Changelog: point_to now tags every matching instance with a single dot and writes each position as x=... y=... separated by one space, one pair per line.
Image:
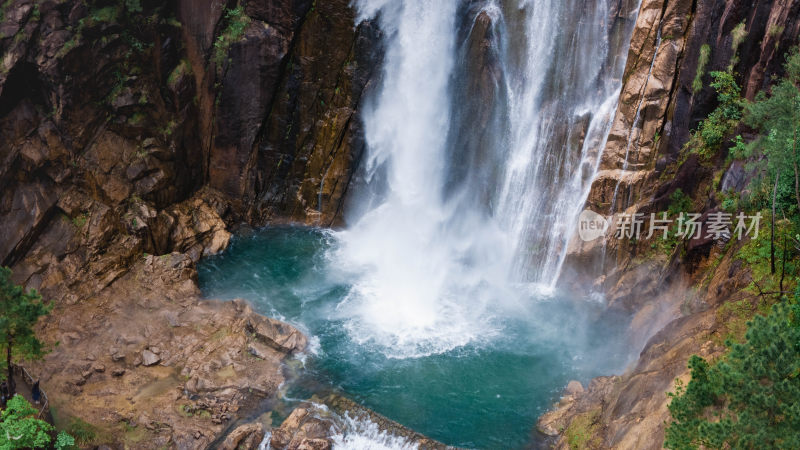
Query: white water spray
x=441 y=256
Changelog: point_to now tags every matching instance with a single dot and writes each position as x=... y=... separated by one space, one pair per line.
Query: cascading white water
x=570 y=77
x=441 y=242
x=400 y=246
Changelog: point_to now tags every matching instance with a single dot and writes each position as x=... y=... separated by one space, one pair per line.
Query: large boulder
x=244 y=437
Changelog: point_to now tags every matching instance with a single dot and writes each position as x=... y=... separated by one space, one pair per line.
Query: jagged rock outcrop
x=306 y=427
x=149 y=364
x=247 y=436
x=643 y=164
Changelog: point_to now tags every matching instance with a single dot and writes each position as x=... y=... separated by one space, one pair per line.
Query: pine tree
x=777 y=117
x=19 y=312
x=750 y=398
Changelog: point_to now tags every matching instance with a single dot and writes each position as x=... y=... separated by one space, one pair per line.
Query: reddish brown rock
x=244 y=437
x=193 y=357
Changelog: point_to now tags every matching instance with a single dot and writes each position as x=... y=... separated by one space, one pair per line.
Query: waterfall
x=563 y=96
x=474 y=176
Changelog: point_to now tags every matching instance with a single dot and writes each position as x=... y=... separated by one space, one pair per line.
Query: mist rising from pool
x=483 y=391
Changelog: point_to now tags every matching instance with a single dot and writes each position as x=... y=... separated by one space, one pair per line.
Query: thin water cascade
x=447 y=226
x=636 y=117
x=562 y=93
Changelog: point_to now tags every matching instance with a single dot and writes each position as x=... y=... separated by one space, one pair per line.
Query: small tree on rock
x=19 y=312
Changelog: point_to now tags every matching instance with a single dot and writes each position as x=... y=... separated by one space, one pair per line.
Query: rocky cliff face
x=643 y=162
x=134 y=108
x=283 y=134
x=674 y=297
x=659 y=106
x=138 y=128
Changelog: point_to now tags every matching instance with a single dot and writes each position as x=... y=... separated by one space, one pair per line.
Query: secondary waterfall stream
x=438 y=305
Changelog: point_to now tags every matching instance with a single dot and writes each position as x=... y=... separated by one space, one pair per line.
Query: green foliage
x=738 y=35
x=107 y=14
x=134 y=43
x=133 y=6
x=776 y=153
x=80 y=220
x=708 y=138
x=168 y=128
x=727 y=115
x=748 y=399
x=19 y=427
x=679 y=202
x=83 y=431
x=138 y=119
x=64 y=441
x=702 y=62
x=183 y=68
x=19 y=312
x=69 y=45
x=729 y=205
x=775 y=30
x=756 y=252
x=4 y=7
x=237 y=23
x=582 y=432
x=733 y=317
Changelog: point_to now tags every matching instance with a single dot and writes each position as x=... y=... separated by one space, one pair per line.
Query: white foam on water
x=405 y=299
x=363 y=434
x=431 y=268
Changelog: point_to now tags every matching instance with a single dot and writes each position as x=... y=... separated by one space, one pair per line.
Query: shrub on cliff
x=748 y=399
x=721 y=122
x=710 y=135
x=237 y=23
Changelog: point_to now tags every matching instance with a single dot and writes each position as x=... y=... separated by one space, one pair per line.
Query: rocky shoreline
x=148 y=363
